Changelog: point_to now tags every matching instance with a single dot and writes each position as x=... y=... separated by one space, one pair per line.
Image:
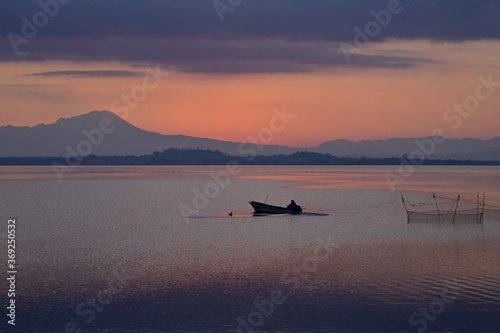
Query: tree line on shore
x=175 y=156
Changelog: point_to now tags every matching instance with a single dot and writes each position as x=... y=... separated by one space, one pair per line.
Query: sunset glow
x=338 y=101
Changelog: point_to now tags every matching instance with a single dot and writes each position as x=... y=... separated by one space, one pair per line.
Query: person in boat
x=292 y=205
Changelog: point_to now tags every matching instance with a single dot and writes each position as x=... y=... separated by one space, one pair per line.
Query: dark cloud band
x=304 y=20
x=83 y=74
x=256 y=36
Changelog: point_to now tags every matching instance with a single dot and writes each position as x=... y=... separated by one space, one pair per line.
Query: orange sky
x=341 y=103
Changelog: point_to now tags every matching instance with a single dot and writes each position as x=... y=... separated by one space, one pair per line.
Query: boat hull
x=270 y=209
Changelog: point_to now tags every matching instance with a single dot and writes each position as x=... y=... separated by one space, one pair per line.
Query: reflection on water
x=113 y=254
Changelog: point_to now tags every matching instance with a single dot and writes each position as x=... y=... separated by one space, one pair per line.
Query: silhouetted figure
x=231 y=214
x=292 y=205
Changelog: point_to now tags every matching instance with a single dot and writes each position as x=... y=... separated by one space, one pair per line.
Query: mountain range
x=104 y=133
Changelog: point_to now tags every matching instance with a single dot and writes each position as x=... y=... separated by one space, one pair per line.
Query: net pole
x=482 y=210
x=404 y=203
x=437 y=206
x=477 y=208
x=456 y=207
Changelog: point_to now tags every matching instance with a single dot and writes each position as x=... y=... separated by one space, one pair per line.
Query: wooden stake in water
x=477 y=207
x=456 y=207
x=437 y=206
x=482 y=211
x=407 y=214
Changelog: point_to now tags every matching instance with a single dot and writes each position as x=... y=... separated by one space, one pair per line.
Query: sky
x=224 y=69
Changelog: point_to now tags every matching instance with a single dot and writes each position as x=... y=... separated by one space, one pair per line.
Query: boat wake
x=315 y=214
x=256 y=215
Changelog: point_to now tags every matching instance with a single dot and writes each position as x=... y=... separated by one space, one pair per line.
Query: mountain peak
x=91 y=115
x=85 y=135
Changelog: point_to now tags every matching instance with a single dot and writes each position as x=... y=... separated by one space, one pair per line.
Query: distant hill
x=474 y=149
x=66 y=134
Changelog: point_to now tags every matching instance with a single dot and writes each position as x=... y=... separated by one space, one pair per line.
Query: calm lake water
x=152 y=249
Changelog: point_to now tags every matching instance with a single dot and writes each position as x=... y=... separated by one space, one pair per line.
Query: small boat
x=270 y=209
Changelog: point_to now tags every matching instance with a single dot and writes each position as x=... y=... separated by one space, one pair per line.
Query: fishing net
x=441 y=210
